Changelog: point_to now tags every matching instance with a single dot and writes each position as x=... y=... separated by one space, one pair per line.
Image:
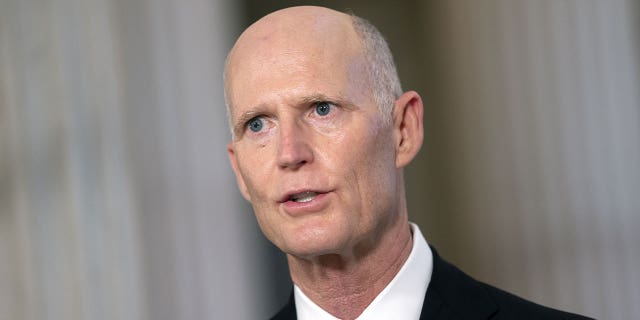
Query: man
x=321 y=134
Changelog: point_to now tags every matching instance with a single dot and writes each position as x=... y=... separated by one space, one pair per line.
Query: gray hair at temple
x=383 y=76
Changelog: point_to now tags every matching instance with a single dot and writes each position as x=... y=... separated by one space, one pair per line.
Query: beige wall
x=536 y=161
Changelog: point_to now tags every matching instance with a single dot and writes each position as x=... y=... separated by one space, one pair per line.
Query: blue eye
x=255 y=124
x=323 y=108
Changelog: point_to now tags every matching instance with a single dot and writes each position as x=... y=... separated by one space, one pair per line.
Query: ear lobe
x=407 y=123
x=239 y=179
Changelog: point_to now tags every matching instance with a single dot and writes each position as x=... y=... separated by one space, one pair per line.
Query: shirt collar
x=402 y=298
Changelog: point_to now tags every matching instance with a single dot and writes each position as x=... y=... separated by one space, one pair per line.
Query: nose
x=294 y=149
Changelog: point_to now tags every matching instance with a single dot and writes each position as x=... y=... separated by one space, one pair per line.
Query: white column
x=116 y=197
x=70 y=246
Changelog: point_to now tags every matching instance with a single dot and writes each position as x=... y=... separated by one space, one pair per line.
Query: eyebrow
x=318 y=97
x=239 y=124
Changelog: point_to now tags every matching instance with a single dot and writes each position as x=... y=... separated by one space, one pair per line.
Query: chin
x=313 y=241
x=311 y=250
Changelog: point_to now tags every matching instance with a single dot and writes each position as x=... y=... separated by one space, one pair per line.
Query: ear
x=407 y=125
x=234 y=164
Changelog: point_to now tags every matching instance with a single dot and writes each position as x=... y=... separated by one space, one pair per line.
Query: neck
x=344 y=285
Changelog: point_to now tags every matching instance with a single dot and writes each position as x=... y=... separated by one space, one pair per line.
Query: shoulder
x=453 y=292
x=513 y=307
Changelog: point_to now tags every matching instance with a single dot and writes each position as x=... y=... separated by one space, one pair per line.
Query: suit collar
x=454 y=295
x=451 y=295
x=288 y=312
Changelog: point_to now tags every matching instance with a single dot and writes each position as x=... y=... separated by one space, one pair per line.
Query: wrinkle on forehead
x=289 y=37
x=305 y=24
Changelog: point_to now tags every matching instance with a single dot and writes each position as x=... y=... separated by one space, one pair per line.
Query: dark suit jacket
x=454 y=295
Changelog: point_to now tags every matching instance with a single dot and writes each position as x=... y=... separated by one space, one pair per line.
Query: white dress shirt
x=402 y=298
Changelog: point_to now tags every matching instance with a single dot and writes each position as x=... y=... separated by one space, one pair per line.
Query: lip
x=292 y=208
x=287 y=196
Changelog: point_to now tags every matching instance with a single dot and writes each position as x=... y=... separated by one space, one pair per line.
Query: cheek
x=376 y=167
x=364 y=156
x=375 y=149
x=254 y=174
x=256 y=187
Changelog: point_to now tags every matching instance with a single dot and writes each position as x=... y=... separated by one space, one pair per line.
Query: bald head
x=296 y=26
x=309 y=32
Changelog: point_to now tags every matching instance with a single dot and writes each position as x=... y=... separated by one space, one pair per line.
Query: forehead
x=307 y=29
x=301 y=54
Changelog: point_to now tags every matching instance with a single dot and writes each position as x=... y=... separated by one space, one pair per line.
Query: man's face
x=311 y=150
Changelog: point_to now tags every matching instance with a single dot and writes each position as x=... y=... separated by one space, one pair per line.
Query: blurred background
x=117 y=200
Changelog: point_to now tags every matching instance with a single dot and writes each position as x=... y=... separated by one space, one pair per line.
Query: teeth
x=304 y=196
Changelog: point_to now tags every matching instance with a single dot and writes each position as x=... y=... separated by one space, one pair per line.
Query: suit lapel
x=288 y=312
x=454 y=295
x=433 y=307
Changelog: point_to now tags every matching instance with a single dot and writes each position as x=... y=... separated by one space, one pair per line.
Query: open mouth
x=303 y=196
